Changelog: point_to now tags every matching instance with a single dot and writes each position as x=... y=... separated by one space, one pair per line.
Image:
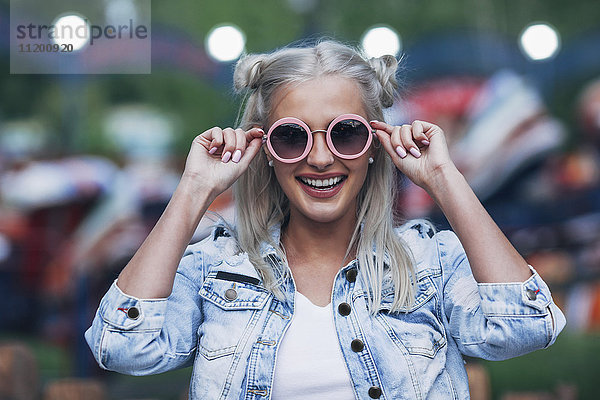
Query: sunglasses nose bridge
x=316 y=138
x=320 y=155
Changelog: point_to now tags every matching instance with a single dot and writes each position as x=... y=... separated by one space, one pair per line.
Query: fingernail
x=425 y=142
x=415 y=152
x=236 y=156
x=212 y=150
x=401 y=152
x=373 y=121
x=226 y=157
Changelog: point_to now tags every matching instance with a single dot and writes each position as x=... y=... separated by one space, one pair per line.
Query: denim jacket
x=221 y=319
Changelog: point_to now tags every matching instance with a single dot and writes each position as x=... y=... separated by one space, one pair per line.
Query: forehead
x=318 y=101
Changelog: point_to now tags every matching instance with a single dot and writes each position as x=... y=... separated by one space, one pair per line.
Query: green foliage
x=267 y=23
x=571 y=360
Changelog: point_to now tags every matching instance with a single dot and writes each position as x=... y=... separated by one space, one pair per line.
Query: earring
x=371 y=160
x=270 y=163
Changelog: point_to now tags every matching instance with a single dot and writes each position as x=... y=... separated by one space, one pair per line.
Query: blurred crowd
x=537 y=176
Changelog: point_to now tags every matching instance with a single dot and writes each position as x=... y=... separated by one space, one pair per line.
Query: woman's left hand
x=418 y=150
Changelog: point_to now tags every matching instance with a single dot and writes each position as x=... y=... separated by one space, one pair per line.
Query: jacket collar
x=267 y=250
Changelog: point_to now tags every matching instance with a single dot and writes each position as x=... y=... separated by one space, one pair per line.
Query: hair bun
x=248 y=71
x=385 y=69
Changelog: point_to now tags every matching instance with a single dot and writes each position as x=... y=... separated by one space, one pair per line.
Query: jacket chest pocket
x=418 y=329
x=231 y=306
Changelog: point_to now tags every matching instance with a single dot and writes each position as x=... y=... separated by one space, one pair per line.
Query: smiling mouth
x=322 y=184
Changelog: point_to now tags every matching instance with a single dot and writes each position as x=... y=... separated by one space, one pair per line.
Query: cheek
x=362 y=180
x=360 y=172
x=284 y=175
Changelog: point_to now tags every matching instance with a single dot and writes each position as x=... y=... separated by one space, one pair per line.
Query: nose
x=320 y=156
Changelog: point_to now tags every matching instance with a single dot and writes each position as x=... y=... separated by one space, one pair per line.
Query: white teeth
x=321 y=182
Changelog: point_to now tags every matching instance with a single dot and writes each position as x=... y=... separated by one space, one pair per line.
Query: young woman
x=315 y=293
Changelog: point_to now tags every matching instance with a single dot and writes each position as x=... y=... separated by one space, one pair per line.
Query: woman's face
x=317 y=102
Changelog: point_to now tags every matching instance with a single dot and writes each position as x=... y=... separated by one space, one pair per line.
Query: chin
x=322 y=213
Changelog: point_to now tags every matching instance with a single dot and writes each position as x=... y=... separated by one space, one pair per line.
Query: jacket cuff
x=531 y=297
x=127 y=312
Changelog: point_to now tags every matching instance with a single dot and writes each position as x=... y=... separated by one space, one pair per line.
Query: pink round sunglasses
x=348 y=136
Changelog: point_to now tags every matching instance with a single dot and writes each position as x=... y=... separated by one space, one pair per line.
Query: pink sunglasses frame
x=327 y=132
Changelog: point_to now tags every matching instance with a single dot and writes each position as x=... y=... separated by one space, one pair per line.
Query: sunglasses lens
x=349 y=136
x=289 y=140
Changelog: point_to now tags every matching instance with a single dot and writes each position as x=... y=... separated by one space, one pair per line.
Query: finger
x=254 y=133
x=204 y=139
x=431 y=129
x=419 y=134
x=251 y=151
x=229 y=142
x=382 y=126
x=406 y=135
x=396 y=142
x=428 y=126
x=240 y=145
x=385 y=139
x=216 y=135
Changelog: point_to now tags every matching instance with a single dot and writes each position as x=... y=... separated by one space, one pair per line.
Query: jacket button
x=351 y=275
x=374 y=392
x=344 y=309
x=230 y=294
x=531 y=294
x=133 y=313
x=357 y=345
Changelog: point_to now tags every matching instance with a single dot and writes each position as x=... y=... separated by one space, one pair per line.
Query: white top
x=309 y=360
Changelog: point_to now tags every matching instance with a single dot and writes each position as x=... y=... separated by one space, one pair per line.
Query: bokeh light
x=381 y=40
x=71 y=29
x=225 y=42
x=539 y=41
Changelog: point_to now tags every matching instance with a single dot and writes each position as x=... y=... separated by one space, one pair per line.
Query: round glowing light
x=539 y=41
x=381 y=40
x=71 y=29
x=225 y=42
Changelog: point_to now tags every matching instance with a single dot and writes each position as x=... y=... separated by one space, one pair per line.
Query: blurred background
x=88 y=162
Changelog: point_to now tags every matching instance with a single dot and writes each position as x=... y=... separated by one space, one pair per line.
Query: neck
x=308 y=240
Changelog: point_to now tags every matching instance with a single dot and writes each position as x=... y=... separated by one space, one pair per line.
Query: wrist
x=443 y=179
x=197 y=188
x=194 y=195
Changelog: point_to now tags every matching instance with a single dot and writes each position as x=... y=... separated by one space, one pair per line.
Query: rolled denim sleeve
x=495 y=321
x=146 y=336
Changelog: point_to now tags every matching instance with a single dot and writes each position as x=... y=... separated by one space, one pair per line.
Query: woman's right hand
x=151 y=272
x=219 y=156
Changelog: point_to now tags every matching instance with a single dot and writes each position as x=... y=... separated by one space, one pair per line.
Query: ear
x=268 y=154
x=372 y=151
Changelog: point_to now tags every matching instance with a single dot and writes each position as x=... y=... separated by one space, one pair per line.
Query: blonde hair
x=261 y=203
